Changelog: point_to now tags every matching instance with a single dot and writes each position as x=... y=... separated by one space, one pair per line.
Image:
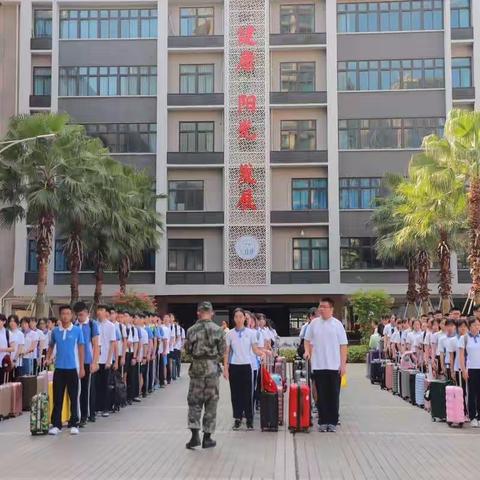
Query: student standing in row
x=91 y=353
x=131 y=358
x=16 y=336
x=7 y=346
x=326 y=346
x=69 y=367
x=31 y=343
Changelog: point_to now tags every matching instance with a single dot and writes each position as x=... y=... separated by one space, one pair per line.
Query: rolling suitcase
x=16 y=408
x=376 y=371
x=389 y=376
x=5 y=400
x=396 y=380
x=280 y=367
x=268 y=406
x=454 y=406
x=299 y=402
x=405 y=381
x=280 y=404
x=39 y=417
x=426 y=402
x=383 y=372
x=277 y=379
x=411 y=380
x=436 y=395
x=42 y=382
x=29 y=389
x=420 y=389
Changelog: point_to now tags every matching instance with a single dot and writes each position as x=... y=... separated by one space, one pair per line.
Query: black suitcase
x=376 y=371
x=269 y=412
x=29 y=390
x=412 y=374
x=383 y=385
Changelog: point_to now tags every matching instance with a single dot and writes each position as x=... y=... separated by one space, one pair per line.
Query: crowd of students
x=144 y=348
x=444 y=346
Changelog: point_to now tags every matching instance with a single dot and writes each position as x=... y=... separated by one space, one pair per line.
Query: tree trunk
x=423 y=263
x=412 y=293
x=99 y=279
x=44 y=236
x=123 y=274
x=474 y=237
x=75 y=251
x=445 y=281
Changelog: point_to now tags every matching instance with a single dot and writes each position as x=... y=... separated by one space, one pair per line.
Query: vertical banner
x=246 y=142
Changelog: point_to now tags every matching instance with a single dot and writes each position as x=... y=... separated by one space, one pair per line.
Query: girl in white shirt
x=18 y=337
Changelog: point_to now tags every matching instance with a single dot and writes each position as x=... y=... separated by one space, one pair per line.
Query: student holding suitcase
x=326 y=346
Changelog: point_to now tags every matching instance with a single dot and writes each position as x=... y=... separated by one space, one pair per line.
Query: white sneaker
x=105 y=414
x=474 y=423
x=74 y=431
x=54 y=431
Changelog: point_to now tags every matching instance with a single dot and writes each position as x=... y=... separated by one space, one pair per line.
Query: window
x=108 y=81
x=309 y=193
x=196 y=137
x=310 y=253
x=42 y=24
x=299 y=135
x=132 y=23
x=32 y=262
x=298 y=318
x=359 y=253
x=125 y=137
x=196 y=78
x=42 y=81
x=185 y=254
x=196 y=21
x=377 y=133
x=60 y=260
x=390 y=16
x=297 y=77
x=460 y=14
x=391 y=74
x=146 y=263
x=461 y=72
x=185 y=195
x=358 y=193
x=297 y=18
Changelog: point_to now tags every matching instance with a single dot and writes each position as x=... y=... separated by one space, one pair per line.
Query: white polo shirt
x=451 y=344
x=388 y=330
x=240 y=343
x=259 y=341
x=326 y=336
x=3 y=342
x=30 y=338
x=132 y=337
x=395 y=337
x=415 y=339
x=107 y=335
x=172 y=338
x=166 y=336
x=143 y=350
x=18 y=337
x=472 y=350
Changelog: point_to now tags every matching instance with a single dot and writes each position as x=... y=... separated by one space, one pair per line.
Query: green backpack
x=39 y=421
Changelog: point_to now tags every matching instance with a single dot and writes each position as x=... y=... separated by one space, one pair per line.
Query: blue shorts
x=165 y=360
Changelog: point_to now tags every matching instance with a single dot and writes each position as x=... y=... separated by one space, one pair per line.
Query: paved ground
x=381 y=436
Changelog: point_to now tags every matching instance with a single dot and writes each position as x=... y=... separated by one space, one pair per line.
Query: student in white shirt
x=470 y=366
x=144 y=354
x=326 y=346
x=449 y=348
x=7 y=346
x=252 y=323
x=37 y=354
x=237 y=368
x=31 y=343
x=17 y=336
x=131 y=364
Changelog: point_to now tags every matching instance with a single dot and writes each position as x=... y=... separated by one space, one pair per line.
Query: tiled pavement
x=381 y=437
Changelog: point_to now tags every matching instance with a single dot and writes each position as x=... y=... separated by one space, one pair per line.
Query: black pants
x=163 y=370
x=474 y=393
x=101 y=388
x=327 y=383
x=178 y=361
x=171 y=367
x=132 y=377
x=87 y=394
x=241 y=391
x=144 y=374
x=65 y=378
x=150 y=376
x=256 y=388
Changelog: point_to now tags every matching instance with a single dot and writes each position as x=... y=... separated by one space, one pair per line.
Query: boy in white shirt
x=18 y=337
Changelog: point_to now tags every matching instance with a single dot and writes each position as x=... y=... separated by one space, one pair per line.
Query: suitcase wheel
x=434 y=419
x=449 y=424
x=460 y=425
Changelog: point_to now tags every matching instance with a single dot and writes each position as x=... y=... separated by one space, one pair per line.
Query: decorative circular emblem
x=247 y=247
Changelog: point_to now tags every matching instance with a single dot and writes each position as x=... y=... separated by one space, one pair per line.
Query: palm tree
x=34 y=177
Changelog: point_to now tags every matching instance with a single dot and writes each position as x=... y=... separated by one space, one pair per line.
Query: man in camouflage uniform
x=205 y=342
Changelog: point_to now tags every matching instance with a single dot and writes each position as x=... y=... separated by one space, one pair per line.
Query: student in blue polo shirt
x=69 y=367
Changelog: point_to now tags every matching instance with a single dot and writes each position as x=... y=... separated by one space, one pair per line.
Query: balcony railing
x=194 y=99
x=281 y=98
x=195 y=41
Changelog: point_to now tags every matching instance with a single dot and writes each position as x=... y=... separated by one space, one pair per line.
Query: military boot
x=207 y=441
x=195 y=440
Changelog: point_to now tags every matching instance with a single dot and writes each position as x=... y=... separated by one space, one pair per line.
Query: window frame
x=310 y=249
x=460 y=69
x=170 y=190
x=179 y=248
x=196 y=16
x=314 y=129
x=358 y=191
x=196 y=132
x=44 y=21
x=297 y=73
x=44 y=79
x=456 y=13
x=197 y=76
x=311 y=190
x=296 y=6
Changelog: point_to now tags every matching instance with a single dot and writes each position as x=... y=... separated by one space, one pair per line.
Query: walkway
x=381 y=437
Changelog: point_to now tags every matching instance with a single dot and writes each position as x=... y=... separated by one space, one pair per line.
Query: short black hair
x=14 y=318
x=312 y=311
x=455 y=310
x=80 y=307
x=3 y=318
x=64 y=307
x=112 y=308
x=436 y=312
x=329 y=300
x=101 y=306
x=450 y=321
x=461 y=322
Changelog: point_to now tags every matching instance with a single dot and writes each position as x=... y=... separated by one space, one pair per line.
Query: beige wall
x=281 y=184
x=320 y=17
x=174 y=18
x=175 y=60
x=212 y=185
x=317 y=56
x=282 y=244
x=175 y=117
x=212 y=244
x=298 y=114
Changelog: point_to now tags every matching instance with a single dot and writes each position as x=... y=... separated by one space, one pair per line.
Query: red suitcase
x=299 y=408
x=280 y=404
x=16 y=399
x=389 y=376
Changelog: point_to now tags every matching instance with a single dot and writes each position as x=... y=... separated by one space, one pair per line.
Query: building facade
x=268 y=125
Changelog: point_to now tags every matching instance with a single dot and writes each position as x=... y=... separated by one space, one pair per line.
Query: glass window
x=32 y=263
x=378 y=133
x=358 y=193
x=185 y=195
x=185 y=254
x=460 y=14
x=299 y=135
x=196 y=21
x=196 y=137
x=42 y=24
x=60 y=260
x=297 y=18
x=461 y=72
x=196 y=78
x=309 y=194
x=146 y=263
x=310 y=254
x=297 y=77
x=42 y=81
x=132 y=23
x=358 y=253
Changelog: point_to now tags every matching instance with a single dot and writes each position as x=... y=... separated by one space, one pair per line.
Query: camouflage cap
x=205 y=306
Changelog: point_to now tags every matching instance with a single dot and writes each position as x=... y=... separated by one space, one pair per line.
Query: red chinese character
x=247 y=61
x=245 y=35
x=246 y=200
x=248 y=102
x=246 y=174
x=244 y=131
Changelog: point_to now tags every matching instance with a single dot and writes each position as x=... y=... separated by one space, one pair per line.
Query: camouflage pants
x=203 y=393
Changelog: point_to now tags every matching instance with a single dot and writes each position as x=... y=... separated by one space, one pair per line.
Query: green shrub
x=288 y=353
x=357 y=353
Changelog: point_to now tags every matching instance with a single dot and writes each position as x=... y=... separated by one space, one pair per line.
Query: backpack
x=118 y=391
x=301 y=348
